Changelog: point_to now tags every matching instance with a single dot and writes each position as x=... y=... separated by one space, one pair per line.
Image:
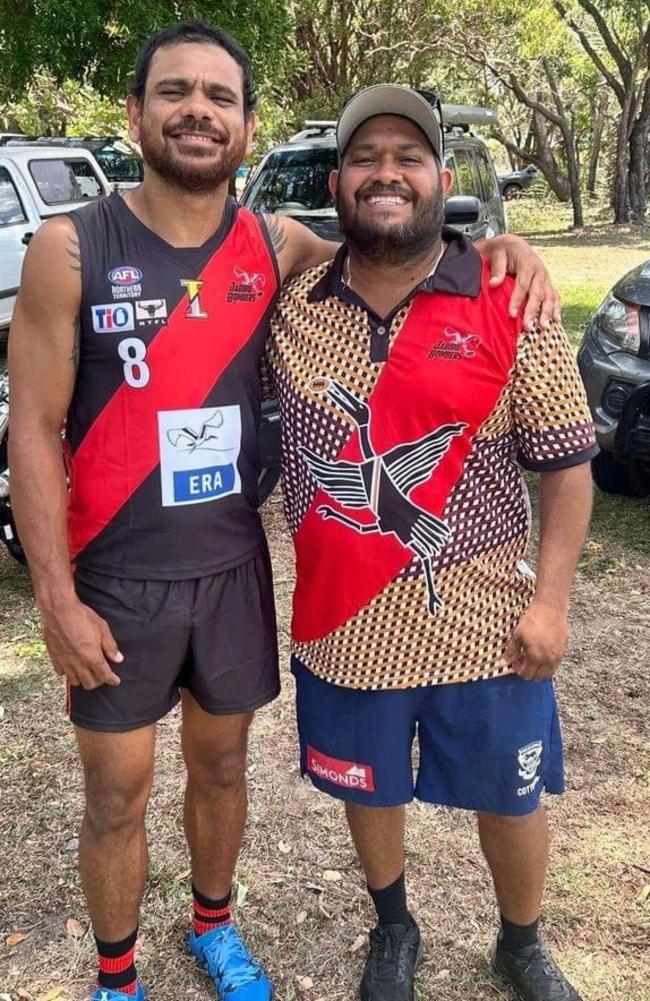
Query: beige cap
x=392 y=99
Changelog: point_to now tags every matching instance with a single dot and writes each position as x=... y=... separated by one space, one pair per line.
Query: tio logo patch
x=113 y=316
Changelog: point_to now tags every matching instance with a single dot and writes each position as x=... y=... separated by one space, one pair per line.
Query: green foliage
x=96 y=41
x=72 y=109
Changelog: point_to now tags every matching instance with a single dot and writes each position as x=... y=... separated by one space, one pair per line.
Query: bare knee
x=498 y=823
x=115 y=803
x=223 y=771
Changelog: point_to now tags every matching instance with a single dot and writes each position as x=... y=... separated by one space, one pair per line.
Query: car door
x=491 y=194
x=18 y=220
x=468 y=183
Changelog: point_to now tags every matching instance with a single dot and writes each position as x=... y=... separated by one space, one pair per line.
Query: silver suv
x=614 y=360
x=292 y=179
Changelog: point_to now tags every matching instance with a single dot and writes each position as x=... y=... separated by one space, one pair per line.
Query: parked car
x=36 y=183
x=513 y=184
x=614 y=360
x=292 y=178
x=119 y=162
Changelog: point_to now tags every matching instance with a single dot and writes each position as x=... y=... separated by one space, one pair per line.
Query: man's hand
x=539 y=642
x=511 y=255
x=81 y=645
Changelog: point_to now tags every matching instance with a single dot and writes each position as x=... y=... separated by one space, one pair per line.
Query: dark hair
x=193 y=31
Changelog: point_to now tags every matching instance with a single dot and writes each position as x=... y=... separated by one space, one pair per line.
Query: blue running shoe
x=105 y=994
x=235 y=974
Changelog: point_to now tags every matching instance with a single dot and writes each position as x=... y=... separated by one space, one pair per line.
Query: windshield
x=294 y=182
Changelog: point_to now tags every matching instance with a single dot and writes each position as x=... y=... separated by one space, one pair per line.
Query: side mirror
x=461 y=210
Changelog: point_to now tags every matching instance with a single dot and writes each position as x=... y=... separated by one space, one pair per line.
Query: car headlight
x=618 y=322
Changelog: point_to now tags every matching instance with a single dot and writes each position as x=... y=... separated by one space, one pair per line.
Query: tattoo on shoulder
x=76 y=344
x=74 y=253
x=277 y=233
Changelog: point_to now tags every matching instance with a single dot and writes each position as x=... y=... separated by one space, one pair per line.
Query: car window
x=468 y=182
x=488 y=180
x=294 y=181
x=65 y=180
x=119 y=166
x=450 y=164
x=11 y=209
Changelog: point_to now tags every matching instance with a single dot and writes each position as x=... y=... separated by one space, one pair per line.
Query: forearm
x=565 y=509
x=39 y=502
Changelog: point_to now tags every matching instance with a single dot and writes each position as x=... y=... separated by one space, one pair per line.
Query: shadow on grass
x=19 y=684
x=622 y=522
x=608 y=236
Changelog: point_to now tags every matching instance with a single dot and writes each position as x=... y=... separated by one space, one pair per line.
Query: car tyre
x=512 y=191
x=613 y=477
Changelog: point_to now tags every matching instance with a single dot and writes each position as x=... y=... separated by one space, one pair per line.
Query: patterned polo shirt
x=403 y=442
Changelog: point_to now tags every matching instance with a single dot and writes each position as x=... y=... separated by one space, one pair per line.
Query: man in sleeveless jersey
x=141 y=322
x=415 y=616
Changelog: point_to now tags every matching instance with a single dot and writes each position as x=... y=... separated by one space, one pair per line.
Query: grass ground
x=306 y=925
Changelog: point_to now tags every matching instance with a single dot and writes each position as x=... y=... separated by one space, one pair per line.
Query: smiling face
x=190 y=123
x=389 y=191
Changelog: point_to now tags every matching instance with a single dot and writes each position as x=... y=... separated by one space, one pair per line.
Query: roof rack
x=315 y=129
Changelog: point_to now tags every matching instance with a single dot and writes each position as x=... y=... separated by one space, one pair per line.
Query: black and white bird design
x=383 y=484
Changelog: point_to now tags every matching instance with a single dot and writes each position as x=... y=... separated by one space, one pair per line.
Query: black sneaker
x=395 y=954
x=533 y=974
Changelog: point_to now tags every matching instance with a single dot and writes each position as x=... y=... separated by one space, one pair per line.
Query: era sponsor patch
x=112 y=317
x=151 y=310
x=199 y=450
x=348 y=774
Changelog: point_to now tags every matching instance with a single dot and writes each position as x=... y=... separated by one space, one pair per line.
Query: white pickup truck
x=36 y=183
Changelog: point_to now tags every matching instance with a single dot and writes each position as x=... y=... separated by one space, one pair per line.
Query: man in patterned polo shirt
x=410 y=400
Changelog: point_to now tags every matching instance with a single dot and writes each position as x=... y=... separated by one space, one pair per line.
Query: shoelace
x=548 y=967
x=391 y=955
x=229 y=961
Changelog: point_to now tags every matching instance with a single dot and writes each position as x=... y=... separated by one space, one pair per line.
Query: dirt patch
x=597 y=912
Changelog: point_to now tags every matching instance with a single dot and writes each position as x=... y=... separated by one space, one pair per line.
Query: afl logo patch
x=125 y=275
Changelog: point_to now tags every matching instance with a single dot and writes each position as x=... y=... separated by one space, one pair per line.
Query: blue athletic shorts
x=490 y=745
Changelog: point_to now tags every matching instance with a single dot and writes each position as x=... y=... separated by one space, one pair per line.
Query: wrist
x=557 y=604
x=53 y=597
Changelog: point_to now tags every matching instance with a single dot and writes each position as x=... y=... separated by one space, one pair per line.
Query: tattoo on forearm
x=74 y=254
x=74 y=356
x=277 y=233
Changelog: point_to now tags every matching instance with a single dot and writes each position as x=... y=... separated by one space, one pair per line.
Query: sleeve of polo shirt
x=552 y=419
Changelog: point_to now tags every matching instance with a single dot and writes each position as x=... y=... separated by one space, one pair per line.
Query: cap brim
x=389 y=99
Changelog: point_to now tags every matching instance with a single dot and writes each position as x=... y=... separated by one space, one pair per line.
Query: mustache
x=375 y=189
x=190 y=124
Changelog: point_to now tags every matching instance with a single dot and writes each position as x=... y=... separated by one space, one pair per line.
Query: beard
x=386 y=243
x=193 y=172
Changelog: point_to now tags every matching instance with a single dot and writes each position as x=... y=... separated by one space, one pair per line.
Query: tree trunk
x=620 y=178
x=596 y=140
x=638 y=159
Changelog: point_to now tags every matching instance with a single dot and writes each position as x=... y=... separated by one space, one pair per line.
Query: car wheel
x=613 y=477
x=511 y=191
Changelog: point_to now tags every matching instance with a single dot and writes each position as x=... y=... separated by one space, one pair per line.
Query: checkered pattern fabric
x=540 y=420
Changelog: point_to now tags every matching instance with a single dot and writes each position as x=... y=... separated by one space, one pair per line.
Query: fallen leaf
x=644 y=896
x=52 y=995
x=22 y=993
x=332 y=876
x=15 y=939
x=75 y=928
x=305 y=983
x=72 y=845
x=300 y=917
x=242 y=893
x=359 y=941
x=284 y=847
x=443 y=975
x=141 y=939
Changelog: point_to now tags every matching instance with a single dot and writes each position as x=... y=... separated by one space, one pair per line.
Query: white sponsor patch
x=112 y=317
x=151 y=309
x=199 y=450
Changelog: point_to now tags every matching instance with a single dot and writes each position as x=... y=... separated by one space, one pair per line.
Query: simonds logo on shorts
x=348 y=774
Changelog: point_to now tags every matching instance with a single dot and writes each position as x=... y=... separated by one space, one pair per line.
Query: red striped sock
x=117 y=965
x=210 y=914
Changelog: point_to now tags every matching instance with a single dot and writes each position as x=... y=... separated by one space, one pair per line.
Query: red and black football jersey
x=162 y=428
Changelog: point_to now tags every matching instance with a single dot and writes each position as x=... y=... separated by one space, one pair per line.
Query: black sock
x=116 y=966
x=390 y=904
x=514 y=937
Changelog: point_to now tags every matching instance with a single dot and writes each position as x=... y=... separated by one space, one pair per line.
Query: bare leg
x=214 y=748
x=378 y=835
x=516 y=849
x=118 y=770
